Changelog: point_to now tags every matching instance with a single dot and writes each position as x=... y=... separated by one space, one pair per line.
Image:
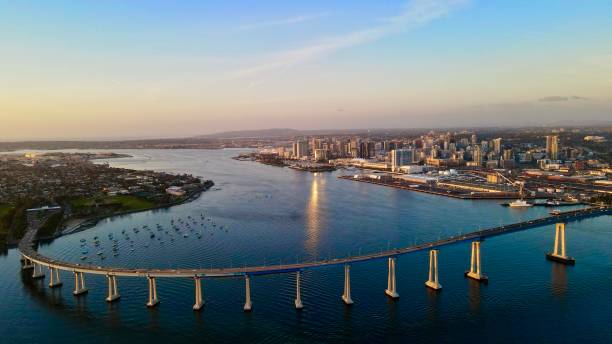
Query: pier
x=35 y=261
x=440 y=191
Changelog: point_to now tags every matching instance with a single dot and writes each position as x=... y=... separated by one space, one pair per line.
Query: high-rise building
x=484 y=145
x=400 y=157
x=508 y=154
x=321 y=154
x=474 y=139
x=497 y=144
x=300 y=149
x=552 y=147
x=477 y=155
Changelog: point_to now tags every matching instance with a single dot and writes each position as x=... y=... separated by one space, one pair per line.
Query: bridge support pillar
x=38 y=272
x=391 y=290
x=433 y=282
x=153 y=300
x=199 y=300
x=248 y=306
x=113 y=293
x=54 y=278
x=346 y=297
x=298 y=294
x=79 y=284
x=475 y=266
x=559 y=255
x=27 y=264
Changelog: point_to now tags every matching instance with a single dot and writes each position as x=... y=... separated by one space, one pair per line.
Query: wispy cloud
x=560 y=98
x=417 y=13
x=285 y=21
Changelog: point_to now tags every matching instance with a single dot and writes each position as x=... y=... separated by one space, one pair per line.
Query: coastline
x=92 y=222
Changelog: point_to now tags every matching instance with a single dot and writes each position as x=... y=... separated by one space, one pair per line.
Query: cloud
x=417 y=13
x=560 y=98
x=284 y=21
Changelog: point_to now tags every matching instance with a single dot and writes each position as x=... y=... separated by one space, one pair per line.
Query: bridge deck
x=26 y=246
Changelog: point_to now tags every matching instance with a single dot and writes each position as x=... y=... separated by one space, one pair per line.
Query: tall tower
x=477 y=155
x=552 y=147
x=497 y=145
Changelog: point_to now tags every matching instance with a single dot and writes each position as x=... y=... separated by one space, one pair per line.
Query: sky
x=144 y=69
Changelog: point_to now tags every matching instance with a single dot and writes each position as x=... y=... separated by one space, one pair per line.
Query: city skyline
x=132 y=70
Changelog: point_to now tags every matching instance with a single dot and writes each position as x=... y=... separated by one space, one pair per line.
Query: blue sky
x=87 y=69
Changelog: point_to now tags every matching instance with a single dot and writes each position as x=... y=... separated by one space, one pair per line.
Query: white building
x=175 y=191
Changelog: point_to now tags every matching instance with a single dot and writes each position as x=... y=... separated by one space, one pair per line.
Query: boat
x=83 y=257
x=519 y=203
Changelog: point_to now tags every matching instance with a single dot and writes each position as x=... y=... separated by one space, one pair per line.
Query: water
x=275 y=215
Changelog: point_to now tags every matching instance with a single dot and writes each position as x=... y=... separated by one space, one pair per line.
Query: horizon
x=119 y=71
x=312 y=132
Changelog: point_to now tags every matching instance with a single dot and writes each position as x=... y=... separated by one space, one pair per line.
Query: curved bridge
x=36 y=261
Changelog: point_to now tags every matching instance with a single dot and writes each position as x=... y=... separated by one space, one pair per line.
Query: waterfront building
x=400 y=157
x=175 y=191
x=321 y=154
x=300 y=149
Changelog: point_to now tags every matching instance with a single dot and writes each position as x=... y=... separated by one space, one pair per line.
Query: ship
x=519 y=203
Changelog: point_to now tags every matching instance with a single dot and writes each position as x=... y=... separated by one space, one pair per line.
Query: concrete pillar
x=346 y=297
x=27 y=264
x=54 y=277
x=79 y=284
x=247 y=304
x=559 y=254
x=433 y=282
x=475 y=265
x=153 y=300
x=113 y=293
x=38 y=272
x=199 y=301
x=298 y=294
x=391 y=290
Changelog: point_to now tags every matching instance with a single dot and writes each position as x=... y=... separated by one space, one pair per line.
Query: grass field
x=125 y=202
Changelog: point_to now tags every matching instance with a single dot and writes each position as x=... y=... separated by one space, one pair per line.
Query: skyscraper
x=552 y=147
x=400 y=157
x=300 y=149
x=477 y=155
x=497 y=145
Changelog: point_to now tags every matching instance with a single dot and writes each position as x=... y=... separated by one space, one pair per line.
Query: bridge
x=33 y=260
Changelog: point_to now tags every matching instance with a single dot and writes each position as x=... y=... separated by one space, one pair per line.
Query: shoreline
x=92 y=222
x=463 y=196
